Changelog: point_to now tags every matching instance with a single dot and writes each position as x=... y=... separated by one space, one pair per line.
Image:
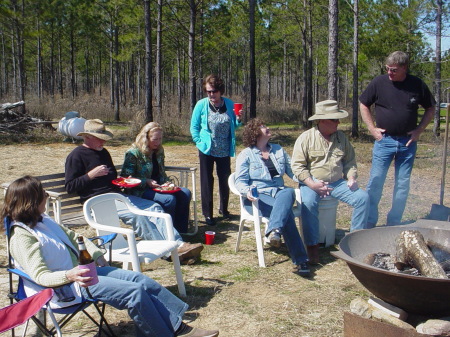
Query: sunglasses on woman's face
x=212 y=91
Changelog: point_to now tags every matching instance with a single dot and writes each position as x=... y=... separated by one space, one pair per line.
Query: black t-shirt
x=396 y=103
x=271 y=167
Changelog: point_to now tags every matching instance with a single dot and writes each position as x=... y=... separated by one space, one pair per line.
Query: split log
x=412 y=250
x=441 y=253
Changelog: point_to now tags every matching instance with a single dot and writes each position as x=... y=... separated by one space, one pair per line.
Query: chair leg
x=259 y=245
x=238 y=242
x=178 y=274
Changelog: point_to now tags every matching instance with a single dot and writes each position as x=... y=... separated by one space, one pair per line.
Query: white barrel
x=71 y=127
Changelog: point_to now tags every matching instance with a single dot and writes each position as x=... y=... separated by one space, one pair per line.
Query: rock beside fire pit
x=435 y=327
x=362 y=308
x=377 y=310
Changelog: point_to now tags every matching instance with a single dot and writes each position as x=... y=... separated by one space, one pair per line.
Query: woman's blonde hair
x=142 y=139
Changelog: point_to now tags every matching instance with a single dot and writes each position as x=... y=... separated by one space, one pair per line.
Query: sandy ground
x=228 y=290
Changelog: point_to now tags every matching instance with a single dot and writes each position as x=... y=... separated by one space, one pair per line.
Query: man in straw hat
x=396 y=96
x=324 y=162
x=90 y=172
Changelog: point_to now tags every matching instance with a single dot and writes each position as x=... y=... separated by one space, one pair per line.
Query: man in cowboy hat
x=324 y=162
x=90 y=172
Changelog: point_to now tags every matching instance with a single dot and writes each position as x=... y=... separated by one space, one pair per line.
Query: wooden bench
x=66 y=209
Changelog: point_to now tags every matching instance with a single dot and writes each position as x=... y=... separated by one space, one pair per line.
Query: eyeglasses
x=390 y=69
x=334 y=120
x=212 y=91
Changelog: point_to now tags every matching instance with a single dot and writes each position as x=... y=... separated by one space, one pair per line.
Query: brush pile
x=14 y=120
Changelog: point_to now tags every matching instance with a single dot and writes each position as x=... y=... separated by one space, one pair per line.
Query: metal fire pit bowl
x=414 y=294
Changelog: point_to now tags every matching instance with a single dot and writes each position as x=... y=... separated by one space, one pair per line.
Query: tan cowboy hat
x=96 y=128
x=328 y=110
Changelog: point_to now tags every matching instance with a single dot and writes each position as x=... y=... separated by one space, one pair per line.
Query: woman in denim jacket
x=263 y=165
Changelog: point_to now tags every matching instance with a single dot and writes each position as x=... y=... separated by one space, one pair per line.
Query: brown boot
x=313 y=254
x=189 y=331
x=189 y=250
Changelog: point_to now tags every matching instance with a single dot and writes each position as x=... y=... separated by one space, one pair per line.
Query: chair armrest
x=180 y=168
x=165 y=216
x=104 y=239
x=22 y=274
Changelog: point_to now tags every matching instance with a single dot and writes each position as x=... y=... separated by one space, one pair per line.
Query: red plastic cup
x=209 y=237
x=237 y=109
x=92 y=272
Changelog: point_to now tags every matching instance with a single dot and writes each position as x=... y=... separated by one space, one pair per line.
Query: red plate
x=176 y=189
x=122 y=183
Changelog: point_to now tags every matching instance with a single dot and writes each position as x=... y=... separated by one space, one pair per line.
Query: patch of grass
x=246 y=273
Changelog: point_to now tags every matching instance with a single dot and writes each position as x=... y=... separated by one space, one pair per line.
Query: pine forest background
x=146 y=59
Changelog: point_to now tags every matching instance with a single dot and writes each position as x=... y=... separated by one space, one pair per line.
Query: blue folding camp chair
x=67 y=312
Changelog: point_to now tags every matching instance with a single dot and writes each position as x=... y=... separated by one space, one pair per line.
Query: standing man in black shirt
x=397 y=96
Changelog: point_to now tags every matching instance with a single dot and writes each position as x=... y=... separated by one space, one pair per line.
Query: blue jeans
x=283 y=219
x=155 y=310
x=148 y=228
x=359 y=199
x=384 y=151
x=176 y=204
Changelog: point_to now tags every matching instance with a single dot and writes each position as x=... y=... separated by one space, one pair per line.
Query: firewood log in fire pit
x=413 y=250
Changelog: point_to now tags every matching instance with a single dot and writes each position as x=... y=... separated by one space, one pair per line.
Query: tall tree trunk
x=72 y=64
x=4 y=77
x=179 y=84
x=20 y=48
x=252 y=5
x=116 y=75
x=355 y=105
x=437 y=80
x=191 y=54
x=158 y=72
x=269 y=72
x=60 y=66
x=332 y=48
x=148 y=63
x=52 y=63
x=283 y=75
x=39 y=64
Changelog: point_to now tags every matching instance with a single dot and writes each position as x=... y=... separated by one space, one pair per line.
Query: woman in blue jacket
x=212 y=128
x=263 y=165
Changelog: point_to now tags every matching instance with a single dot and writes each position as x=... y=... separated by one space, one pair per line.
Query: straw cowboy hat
x=328 y=110
x=96 y=128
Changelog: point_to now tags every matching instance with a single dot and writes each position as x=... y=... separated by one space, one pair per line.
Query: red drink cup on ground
x=237 y=109
x=209 y=237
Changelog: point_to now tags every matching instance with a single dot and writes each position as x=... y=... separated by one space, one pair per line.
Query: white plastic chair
x=255 y=218
x=297 y=209
x=101 y=213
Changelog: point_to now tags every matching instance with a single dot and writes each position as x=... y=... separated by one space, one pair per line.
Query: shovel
x=441 y=212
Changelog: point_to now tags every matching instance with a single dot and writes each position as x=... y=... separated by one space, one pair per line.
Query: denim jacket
x=251 y=170
x=201 y=135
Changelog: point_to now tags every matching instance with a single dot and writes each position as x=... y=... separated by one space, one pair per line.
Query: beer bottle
x=85 y=257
